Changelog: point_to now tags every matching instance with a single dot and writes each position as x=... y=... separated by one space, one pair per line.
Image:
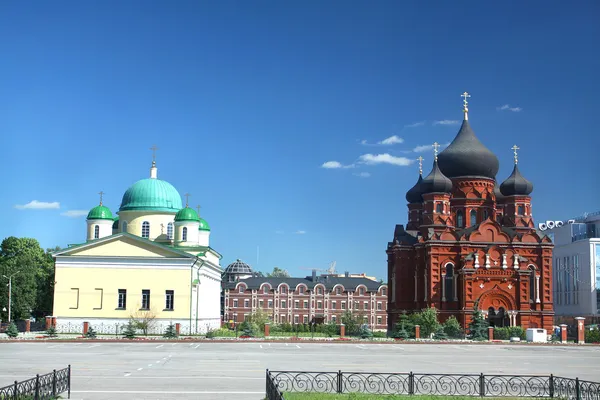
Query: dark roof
x=467 y=156
x=414 y=194
x=238 y=267
x=329 y=282
x=499 y=196
x=516 y=184
x=436 y=181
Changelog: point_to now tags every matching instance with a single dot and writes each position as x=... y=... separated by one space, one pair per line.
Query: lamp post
x=10 y=292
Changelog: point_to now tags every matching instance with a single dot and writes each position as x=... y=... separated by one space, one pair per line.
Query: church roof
x=516 y=184
x=467 y=156
x=187 y=214
x=436 y=181
x=203 y=225
x=100 y=212
x=238 y=267
x=151 y=194
x=415 y=193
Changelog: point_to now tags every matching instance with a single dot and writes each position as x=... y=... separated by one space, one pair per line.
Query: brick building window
x=296 y=304
x=305 y=319
x=296 y=319
x=241 y=289
x=235 y=303
x=265 y=289
x=333 y=305
x=473 y=217
x=378 y=306
x=320 y=290
x=356 y=305
x=270 y=304
x=301 y=290
x=261 y=303
x=366 y=305
x=338 y=290
x=333 y=318
x=343 y=305
x=384 y=292
x=521 y=209
x=378 y=320
x=439 y=208
x=283 y=304
x=246 y=303
x=283 y=290
x=305 y=304
x=460 y=219
x=319 y=305
x=361 y=291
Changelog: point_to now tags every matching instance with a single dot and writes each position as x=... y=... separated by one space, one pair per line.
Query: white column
x=504 y=264
x=487 y=261
x=477 y=260
x=416 y=288
x=537 y=289
x=454 y=280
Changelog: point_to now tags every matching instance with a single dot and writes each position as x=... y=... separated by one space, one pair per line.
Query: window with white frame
x=378 y=320
x=333 y=318
x=343 y=305
x=184 y=234
x=296 y=319
x=305 y=304
x=170 y=231
x=169 y=300
x=283 y=304
x=124 y=226
x=241 y=289
x=270 y=304
x=305 y=319
x=333 y=305
x=235 y=303
x=301 y=289
x=338 y=290
x=122 y=300
x=378 y=306
x=246 y=303
x=145 y=229
x=319 y=305
x=145 y=299
x=296 y=304
x=96 y=232
x=320 y=290
x=265 y=289
x=366 y=305
x=361 y=291
x=261 y=303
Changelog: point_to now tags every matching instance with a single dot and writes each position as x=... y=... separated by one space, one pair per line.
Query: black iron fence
x=42 y=387
x=537 y=386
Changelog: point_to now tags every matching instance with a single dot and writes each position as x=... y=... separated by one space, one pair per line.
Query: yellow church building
x=153 y=263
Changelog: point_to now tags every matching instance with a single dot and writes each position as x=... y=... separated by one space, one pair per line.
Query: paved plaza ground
x=237 y=370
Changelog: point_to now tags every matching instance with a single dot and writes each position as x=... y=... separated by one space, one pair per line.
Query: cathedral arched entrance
x=497 y=303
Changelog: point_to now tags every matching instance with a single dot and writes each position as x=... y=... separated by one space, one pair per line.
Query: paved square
x=237 y=370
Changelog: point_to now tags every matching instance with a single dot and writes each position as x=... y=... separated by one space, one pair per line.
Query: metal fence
x=536 y=386
x=42 y=387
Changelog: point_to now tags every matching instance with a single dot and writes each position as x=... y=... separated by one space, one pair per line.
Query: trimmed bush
x=12 y=330
x=592 y=336
x=452 y=328
x=91 y=333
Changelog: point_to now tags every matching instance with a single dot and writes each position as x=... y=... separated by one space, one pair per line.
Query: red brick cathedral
x=471 y=243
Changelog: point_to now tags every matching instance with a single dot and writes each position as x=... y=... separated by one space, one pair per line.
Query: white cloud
x=39 y=205
x=363 y=174
x=446 y=122
x=74 y=213
x=300 y=232
x=391 y=140
x=384 y=159
x=509 y=108
x=415 y=125
x=428 y=147
x=335 y=165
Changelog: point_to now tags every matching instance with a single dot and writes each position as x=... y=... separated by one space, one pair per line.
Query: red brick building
x=471 y=243
x=319 y=299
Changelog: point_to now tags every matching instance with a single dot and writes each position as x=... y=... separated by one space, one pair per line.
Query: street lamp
x=10 y=292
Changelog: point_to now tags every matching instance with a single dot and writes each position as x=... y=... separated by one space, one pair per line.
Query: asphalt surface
x=237 y=370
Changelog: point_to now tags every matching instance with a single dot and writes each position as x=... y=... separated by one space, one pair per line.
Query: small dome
x=467 y=156
x=116 y=223
x=238 y=267
x=151 y=194
x=100 y=212
x=499 y=196
x=516 y=184
x=187 y=214
x=436 y=181
x=203 y=225
x=415 y=193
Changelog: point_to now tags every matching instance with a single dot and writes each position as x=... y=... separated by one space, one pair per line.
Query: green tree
x=30 y=266
x=12 y=330
x=278 y=273
x=259 y=318
x=452 y=327
x=365 y=332
x=428 y=321
x=404 y=328
x=129 y=331
x=352 y=322
x=478 y=326
x=171 y=332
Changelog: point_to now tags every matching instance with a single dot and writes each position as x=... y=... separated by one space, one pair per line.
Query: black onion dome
x=516 y=184
x=415 y=193
x=499 y=196
x=436 y=181
x=467 y=156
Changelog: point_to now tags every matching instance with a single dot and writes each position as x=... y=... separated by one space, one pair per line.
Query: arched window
x=439 y=208
x=170 y=231
x=485 y=214
x=460 y=221
x=184 y=234
x=96 y=232
x=473 y=217
x=449 y=282
x=521 y=209
x=145 y=229
x=124 y=226
x=532 y=284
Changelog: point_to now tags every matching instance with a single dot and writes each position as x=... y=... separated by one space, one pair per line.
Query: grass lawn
x=365 y=396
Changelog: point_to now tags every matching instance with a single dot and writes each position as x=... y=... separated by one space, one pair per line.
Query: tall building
x=471 y=243
x=152 y=263
x=312 y=299
x=576 y=265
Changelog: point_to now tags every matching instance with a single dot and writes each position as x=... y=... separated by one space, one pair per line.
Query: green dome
x=116 y=223
x=100 y=212
x=203 y=225
x=187 y=214
x=151 y=195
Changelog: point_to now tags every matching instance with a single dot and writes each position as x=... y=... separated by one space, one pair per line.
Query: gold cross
x=198 y=208
x=436 y=146
x=154 y=148
x=101 y=193
x=514 y=149
x=420 y=165
x=187 y=197
x=465 y=96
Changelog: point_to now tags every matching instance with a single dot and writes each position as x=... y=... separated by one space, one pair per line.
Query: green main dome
x=100 y=212
x=151 y=194
x=203 y=225
x=187 y=214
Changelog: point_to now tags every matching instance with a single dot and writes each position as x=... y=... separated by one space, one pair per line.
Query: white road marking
x=127 y=374
x=191 y=344
x=260 y=346
x=149 y=365
x=197 y=346
x=159 y=346
x=173 y=344
x=94 y=345
x=158 y=361
x=298 y=346
x=139 y=369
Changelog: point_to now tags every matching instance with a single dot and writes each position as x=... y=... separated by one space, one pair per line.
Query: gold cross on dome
x=154 y=148
x=420 y=165
x=187 y=198
x=465 y=96
x=514 y=149
x=436 y=146
x=101 y=193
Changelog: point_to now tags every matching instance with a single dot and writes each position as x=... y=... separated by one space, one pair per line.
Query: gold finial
x=465 y=96
x=514 y=149
x=436 y=146
x=187 y=198
x=101 y=193
x=198 y=208
x=420 y=165
x=153 y=148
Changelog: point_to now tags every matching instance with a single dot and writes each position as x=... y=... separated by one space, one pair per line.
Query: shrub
x=365 y=332
x=428 y=321
x=452 y=328
x=12 y=330
x=51 y=331
x=592 y=336
x=330 y=329
x=91 y=333
x=248 y=329
x=221 y=332
x=502 y=333
x=440 y=333
x=478 y=326
x=129 y=330
x=171 y=332
x=517 y=331
x=379 y=334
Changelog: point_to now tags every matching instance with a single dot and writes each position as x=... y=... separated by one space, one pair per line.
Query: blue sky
x=248 y=100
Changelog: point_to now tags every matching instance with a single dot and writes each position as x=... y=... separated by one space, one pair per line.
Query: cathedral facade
x=471 y=243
